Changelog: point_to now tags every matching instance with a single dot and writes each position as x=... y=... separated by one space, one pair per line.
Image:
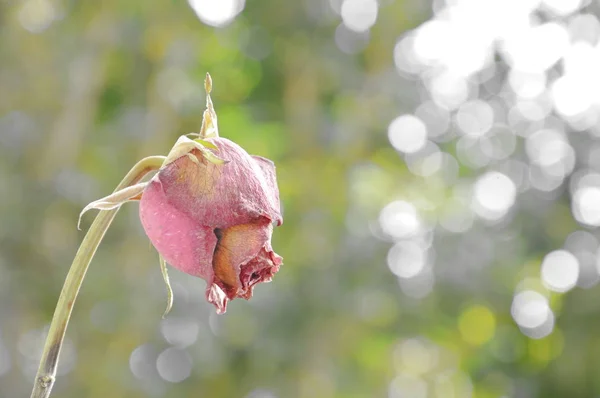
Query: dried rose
x=209 y=212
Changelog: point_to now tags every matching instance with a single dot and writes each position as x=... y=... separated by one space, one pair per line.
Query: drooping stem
x=46 y=375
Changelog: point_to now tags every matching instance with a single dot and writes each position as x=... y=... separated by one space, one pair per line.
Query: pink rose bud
x=214 y=219
x=209 y=211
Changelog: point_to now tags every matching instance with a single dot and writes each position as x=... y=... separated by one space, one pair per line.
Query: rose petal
x=268 y=169
x=215 y=295
x=236 y=247
x=220 y=195
x=185 y=244
x=260 y=269
x=243 y=257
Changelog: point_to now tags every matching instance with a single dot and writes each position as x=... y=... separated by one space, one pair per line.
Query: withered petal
x=243 y=257
x=237 y=246
x=272 y=191
x=183 y=243
x=222 y=195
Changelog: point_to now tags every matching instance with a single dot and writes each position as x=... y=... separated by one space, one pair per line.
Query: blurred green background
x=438 y=163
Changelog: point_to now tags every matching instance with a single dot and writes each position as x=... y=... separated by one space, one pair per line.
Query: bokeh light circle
x=530 y=309
x=359 y=15
x=217 y=13
x=406 y=259
x=560 y=270
x=399 y=219
x=407 y=133
x=586 y=205
x=174 y=365
x=494 y=194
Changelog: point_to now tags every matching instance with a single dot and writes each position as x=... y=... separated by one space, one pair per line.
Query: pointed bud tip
x=208 y=83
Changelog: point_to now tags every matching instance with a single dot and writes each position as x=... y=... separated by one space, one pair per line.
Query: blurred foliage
x=88 y=88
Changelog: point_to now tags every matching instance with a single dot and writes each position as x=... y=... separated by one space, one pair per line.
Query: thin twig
x=46 y=375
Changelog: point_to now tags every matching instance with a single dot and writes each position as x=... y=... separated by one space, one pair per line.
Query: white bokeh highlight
x=551 y=151
x=407 y=133
x=475 y=118
x=359 y=15
x=406 y=259
x=562 y=7
x=495 y=77
x=217 y=13
x=174 y=365
x=400 y=220
x=535 y=49
x=494 y=194
x=37 y=15
x=141 y=362
x=585 y=203
x=560 y=271
x=180 y=332
x=530 y=309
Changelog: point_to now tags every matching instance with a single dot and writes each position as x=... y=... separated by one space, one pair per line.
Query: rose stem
x=46 y=374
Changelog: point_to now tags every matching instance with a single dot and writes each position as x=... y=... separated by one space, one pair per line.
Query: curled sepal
x=165 y=274
x=184 y=146
x=115 y=199
x=207 y=144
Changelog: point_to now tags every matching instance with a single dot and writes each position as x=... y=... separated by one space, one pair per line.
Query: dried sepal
x=115 y=199
x=184 y=146
x=207 y=144
x=165 y=274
